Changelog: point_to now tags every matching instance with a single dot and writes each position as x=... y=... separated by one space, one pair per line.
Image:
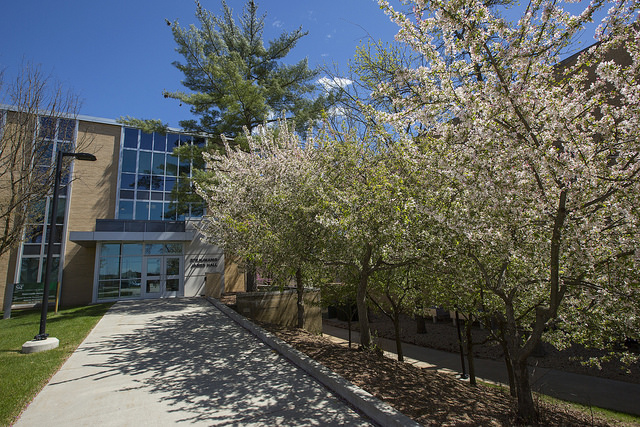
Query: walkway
x=162 y=362
x=617 y=395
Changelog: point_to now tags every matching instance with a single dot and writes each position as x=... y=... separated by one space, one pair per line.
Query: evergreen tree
x=235 y=81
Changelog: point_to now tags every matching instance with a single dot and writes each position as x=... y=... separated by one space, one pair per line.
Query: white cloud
x=277 y=23
x=334 y=82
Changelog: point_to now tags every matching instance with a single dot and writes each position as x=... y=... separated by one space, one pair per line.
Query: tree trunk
x=509 y=366
x=363 y=318
x=527 y=413
x=300 y=292
x=361 y=299
x=421 y=325
x=472 y=370
x=251 y=278
x=396 y=327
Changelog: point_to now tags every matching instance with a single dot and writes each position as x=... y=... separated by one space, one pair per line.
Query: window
x=52 y=135
x=149 y=173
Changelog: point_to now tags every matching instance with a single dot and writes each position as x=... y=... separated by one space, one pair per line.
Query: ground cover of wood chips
x=427 y=397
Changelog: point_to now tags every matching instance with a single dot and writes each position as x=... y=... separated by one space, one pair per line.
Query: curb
x=377 y=410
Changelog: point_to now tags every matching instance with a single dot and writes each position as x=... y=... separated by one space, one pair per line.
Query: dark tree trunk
x=527 y=413
x=251 y=278
x=509 y=366
x=472 y=370
x=421 y=325
x=300 y=292
x=396 y=328
x=361 y=299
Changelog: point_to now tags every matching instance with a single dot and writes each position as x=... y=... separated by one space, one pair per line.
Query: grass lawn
x=24 y=375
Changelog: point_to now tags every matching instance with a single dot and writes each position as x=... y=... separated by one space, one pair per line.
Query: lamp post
x=42 y=335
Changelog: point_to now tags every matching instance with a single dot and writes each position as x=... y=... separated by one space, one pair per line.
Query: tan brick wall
x=93 y=195
x=281 y=308
x=7 y=270
x=233 y=276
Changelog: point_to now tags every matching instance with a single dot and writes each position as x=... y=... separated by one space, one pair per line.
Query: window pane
x=169 y=183
x=172 y=165
x=131 y=267
x=173 y=248
x=142 y=210
x=185 y=168
x=29 y=270
x=143 y=195
x=154 y=249
x=146 y=141
x=31 y=249
x=132 y=249
x=131 y=138
x=156 y=195
x=33 y=234
x=126 y=210
x=159 y=142
x=145 y=162
x=153 y=266
x=127 y=181
x=158 y=164
x=172 y=141
x=47 y=127
x=156 y=211
x=110 y=249
x=170 y=211
x=130 y=288
x=66 y=129
x=173 y=285
x=54 y=272
x=108 y=289
x=157 y=183
x=127 y=194
x=109 y=268
x=185 y=140
x=144 y=182
x=129 y=161
x=43 y=154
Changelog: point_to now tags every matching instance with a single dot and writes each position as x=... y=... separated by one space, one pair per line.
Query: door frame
x=163 y=277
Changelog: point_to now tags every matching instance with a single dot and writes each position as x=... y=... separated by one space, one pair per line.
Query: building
x=123 y=237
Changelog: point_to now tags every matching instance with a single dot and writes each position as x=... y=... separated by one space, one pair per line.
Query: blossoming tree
x=539 y=158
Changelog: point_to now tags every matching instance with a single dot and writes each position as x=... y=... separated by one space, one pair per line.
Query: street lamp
x=42 y=335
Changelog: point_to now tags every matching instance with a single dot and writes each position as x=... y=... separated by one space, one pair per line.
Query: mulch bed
x=423 y=395
x=443 y=336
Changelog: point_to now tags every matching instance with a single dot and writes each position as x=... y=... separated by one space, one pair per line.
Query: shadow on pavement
x=204 y=368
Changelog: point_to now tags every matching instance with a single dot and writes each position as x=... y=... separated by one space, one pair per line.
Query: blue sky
x=116 y=55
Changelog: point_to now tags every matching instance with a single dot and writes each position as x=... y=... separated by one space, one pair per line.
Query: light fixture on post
x=38 y=341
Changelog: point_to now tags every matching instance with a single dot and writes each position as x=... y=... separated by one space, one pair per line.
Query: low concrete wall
x=281 y=308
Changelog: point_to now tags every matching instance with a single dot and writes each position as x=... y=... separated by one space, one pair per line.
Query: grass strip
x=24 y=375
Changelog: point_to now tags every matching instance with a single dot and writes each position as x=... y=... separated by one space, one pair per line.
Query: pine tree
x=237 y=82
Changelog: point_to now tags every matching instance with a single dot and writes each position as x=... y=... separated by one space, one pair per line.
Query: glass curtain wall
x=149 y=175
x=53 y=135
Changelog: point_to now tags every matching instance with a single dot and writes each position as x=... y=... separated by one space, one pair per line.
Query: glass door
x=163 y=276
x=154 y=281
x=173 y=275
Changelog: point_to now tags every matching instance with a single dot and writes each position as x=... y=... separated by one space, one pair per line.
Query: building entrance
x=134 y=270
x=162 y=276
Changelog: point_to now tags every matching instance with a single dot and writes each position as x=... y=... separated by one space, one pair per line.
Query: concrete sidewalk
x=163 y=362
x=617 y=395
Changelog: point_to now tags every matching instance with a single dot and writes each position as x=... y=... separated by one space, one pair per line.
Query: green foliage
x=23 y=375
x=147 y=125
x=236 y=81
